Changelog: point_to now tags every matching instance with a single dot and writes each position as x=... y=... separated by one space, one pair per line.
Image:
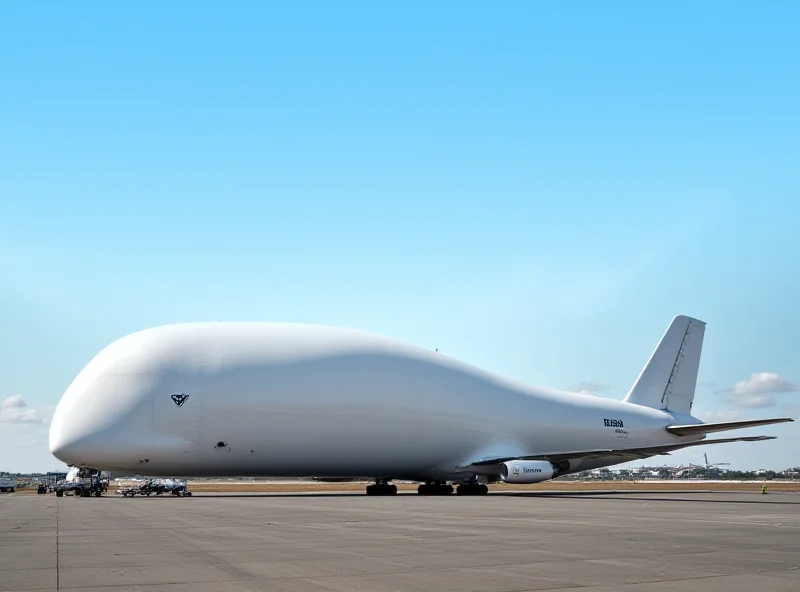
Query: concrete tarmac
x=592 y=542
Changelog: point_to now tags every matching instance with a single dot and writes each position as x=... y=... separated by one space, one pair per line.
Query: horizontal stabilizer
x=707 y=428
x=626 y=453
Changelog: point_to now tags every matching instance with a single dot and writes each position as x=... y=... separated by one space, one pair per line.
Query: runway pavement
x=592 y=542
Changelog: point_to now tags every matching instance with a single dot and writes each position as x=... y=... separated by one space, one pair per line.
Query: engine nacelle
x=527 y=471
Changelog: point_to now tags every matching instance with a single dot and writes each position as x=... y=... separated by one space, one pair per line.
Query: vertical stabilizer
x=669 y=378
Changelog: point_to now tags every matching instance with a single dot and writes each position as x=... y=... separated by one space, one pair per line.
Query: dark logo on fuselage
x=180 y=399
x=613 y=423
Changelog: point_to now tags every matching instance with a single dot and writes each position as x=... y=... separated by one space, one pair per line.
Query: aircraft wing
x=644 y=452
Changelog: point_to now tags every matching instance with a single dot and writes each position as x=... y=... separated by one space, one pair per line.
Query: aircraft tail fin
x=669 y=378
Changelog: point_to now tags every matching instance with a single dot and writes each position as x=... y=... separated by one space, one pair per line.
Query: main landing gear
x=382 y=487
x=472 y=488
x=435 y=488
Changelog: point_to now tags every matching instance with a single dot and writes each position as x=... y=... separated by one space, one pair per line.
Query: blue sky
x=535 y=188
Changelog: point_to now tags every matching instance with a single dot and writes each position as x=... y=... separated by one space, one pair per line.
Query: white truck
x=7 y=484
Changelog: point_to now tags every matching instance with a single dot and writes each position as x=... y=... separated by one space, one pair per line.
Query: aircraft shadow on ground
x=596 y=495
x=233 y=495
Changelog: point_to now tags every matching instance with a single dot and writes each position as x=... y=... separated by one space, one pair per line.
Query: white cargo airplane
x=264 y=399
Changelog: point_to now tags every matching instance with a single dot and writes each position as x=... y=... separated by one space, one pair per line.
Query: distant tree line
x=752 y=475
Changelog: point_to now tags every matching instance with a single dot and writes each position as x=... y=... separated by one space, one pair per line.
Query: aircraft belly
x=283 y=440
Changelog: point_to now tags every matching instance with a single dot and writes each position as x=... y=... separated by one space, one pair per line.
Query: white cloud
x=715 y=416
x=763 y=382
x=24 y=436
x=588 y=388
x=15 y=410
x=14 y=401
x=759 y=390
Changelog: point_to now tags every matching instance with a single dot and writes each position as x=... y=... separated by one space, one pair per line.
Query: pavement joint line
x=58 y=560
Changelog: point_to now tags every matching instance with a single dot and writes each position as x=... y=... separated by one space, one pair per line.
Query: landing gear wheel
x=472 y=489
x=435 y=488
x=382 y=487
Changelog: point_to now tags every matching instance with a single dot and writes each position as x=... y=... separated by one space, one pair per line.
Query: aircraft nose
x=81 y=438
x=91 y=431
x=104 y=419
x=85 y=425
x=69 y=440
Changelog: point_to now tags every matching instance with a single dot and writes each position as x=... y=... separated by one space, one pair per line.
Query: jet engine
x=528 y=471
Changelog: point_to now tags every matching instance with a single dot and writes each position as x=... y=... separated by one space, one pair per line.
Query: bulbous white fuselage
x=262 y=399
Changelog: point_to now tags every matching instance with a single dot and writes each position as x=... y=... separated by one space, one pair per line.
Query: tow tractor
x=82 y=482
